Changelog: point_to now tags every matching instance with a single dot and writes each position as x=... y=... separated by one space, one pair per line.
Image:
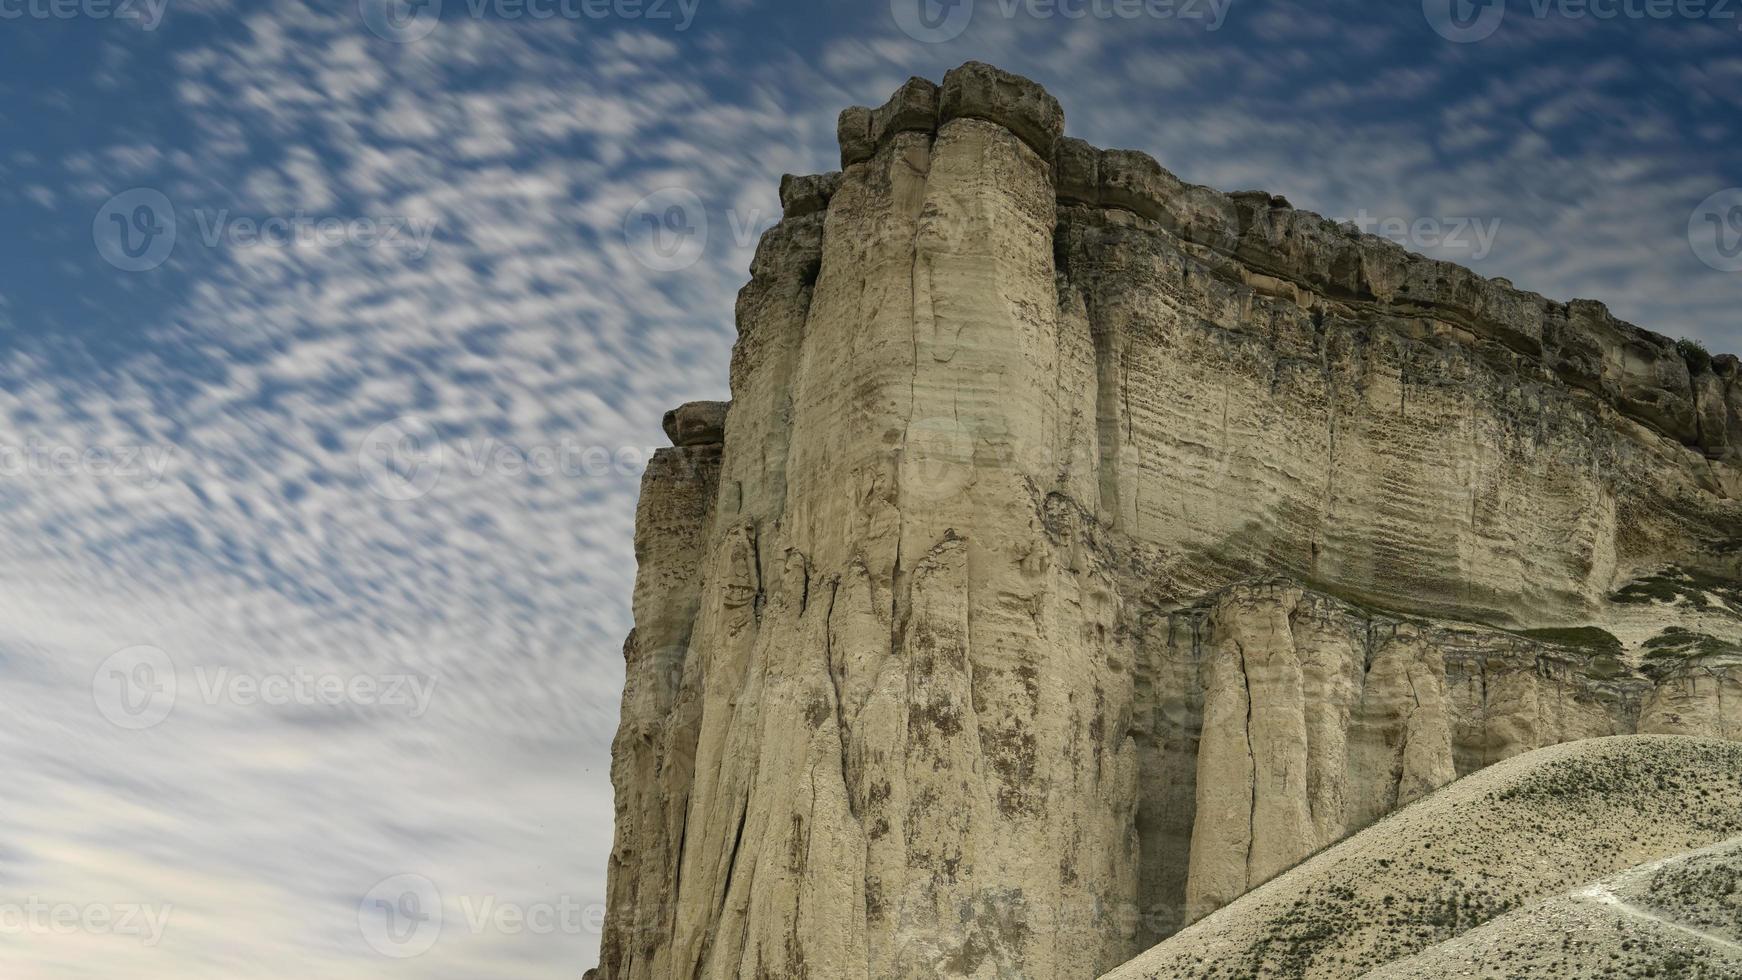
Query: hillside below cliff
x=1081 y=549
x=1607 y=857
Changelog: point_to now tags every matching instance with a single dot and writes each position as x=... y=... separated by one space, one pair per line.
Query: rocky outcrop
x=652 y=761
x=1082 y=548
x=696 y=424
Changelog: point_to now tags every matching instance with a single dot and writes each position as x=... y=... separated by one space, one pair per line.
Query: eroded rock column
x=906 y=673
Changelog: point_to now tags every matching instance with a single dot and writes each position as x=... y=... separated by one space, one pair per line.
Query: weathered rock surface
x=696 y=424
x=1309 y=719
x=1082 y=548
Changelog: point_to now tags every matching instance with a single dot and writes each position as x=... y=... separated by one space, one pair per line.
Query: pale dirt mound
x=1502 y=839
x=1679 y=918
x=1701 y=891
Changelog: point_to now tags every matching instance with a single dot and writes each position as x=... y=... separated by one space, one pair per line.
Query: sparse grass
x=1702 y=891
x=1675 y=648
x=1446 y=865
x=1607 y=654
x=1595 y=639
x=1695 y=644
x=1675 y=583
x=1692 y=351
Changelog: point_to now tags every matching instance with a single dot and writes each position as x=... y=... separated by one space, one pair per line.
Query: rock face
x=1310 y=719
x=1082 y=548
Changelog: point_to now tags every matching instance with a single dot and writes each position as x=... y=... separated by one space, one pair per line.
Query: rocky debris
x=697 y=424
x=1088 y=547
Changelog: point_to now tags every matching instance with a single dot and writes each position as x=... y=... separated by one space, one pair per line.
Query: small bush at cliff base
x=1692 y=351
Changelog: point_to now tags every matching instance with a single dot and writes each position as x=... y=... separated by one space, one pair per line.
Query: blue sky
x=315 y=551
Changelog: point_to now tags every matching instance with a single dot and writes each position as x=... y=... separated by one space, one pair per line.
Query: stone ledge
x=697 y=424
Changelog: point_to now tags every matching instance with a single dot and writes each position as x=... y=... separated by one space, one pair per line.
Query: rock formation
x=1082 y=548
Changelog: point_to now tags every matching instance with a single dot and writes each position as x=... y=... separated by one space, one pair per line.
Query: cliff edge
x=1082 y=548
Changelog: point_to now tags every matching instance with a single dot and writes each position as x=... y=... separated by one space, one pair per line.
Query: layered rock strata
x=1082 y=548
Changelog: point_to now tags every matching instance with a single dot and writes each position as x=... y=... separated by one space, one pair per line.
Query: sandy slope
x=1548 y=823
x=1681 y=917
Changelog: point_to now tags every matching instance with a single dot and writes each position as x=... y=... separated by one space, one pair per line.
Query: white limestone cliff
x=1083 y=548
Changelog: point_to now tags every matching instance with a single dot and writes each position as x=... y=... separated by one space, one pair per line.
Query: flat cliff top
x=1541 y=824
x=1674 y=388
